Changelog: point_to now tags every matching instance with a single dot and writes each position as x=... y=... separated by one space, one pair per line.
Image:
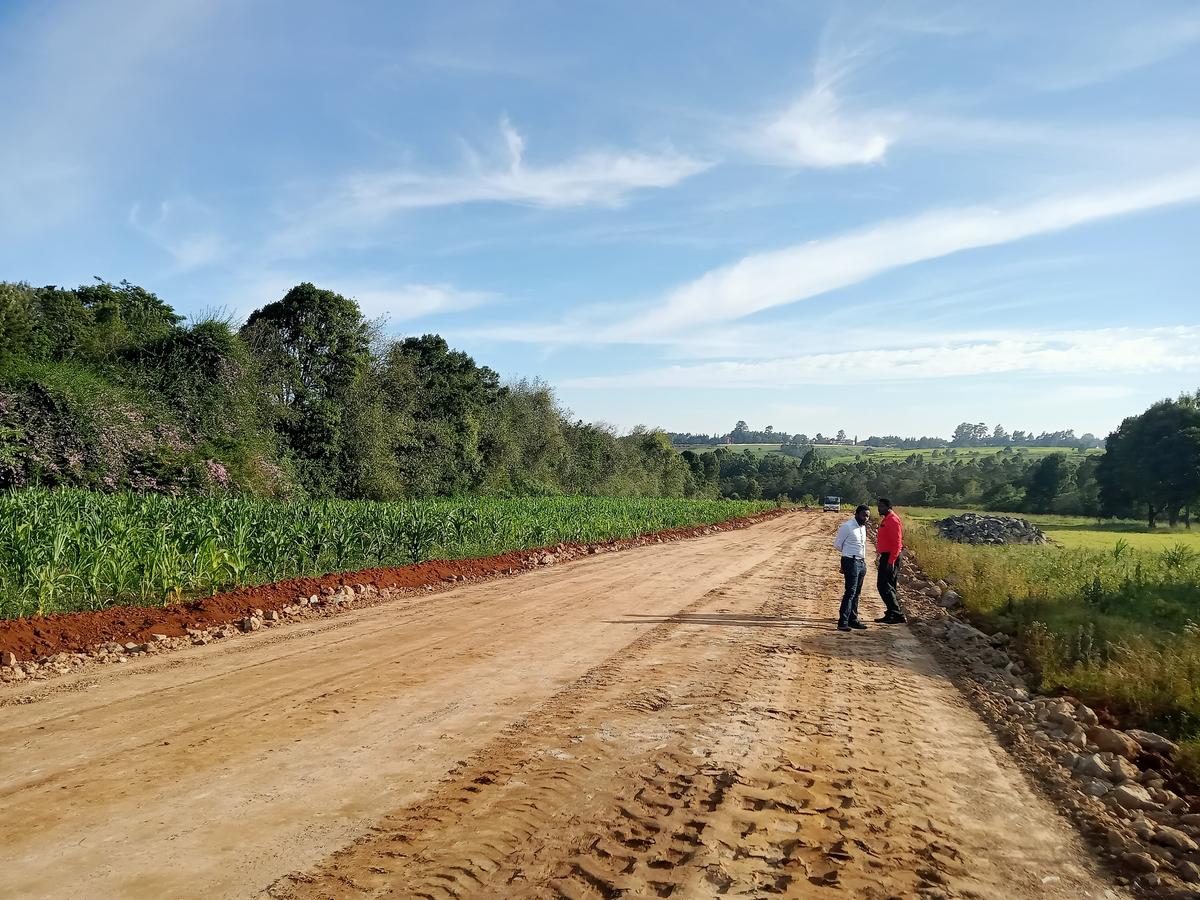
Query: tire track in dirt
x=740 y=748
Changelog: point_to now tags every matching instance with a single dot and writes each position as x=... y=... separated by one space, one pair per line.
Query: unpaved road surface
x=675 y=721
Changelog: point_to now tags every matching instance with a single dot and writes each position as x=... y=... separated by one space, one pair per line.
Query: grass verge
x=1117 y=627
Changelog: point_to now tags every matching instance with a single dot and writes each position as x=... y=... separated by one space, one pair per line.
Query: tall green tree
x=451 y=396
x=1049 y=478
x=312 y=346
x=15 y=319
x=1153 y=460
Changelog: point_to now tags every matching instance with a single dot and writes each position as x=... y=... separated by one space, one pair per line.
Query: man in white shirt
x=851 y=542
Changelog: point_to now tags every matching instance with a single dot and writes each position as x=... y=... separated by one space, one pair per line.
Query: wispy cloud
x=767 y=280
x=48 y=92
x=830 y=125
x=183 y=229
x=817 y=130
x=404 y=302
x=1104 y=50
x=1106 y=352
x=365 y=200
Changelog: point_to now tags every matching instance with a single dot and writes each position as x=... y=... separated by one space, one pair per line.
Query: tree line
x=1150 y=469
x=965 y=435
x=1012 y=482
x=105 y=386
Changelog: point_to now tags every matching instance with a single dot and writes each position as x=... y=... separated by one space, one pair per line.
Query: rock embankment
x=972 y=528
x=1121 y=785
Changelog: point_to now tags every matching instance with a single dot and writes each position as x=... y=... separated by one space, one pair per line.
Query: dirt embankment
x=43 y=636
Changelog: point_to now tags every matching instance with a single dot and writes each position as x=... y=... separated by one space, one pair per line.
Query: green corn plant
x=70 y=549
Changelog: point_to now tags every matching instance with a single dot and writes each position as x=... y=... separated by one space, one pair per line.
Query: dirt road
x=676 y=720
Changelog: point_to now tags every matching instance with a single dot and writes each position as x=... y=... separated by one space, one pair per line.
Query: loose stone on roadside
x=1155 y=743
x=1106 y=777
x=1112 y=741
x=1170 y=837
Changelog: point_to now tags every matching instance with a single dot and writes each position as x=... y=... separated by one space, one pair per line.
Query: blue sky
x=887 y=217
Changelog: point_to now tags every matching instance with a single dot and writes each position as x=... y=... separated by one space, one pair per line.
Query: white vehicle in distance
x=831 y=504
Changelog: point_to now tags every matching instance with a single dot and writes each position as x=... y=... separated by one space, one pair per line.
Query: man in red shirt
x=889 y=542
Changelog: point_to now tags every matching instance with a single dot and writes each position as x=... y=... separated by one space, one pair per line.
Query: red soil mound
x=77 y=632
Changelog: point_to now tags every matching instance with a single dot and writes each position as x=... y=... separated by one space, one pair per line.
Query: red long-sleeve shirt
x=890 y=537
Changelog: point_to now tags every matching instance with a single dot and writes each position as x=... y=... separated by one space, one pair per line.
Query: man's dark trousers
x=854 y=570
x=886 y=582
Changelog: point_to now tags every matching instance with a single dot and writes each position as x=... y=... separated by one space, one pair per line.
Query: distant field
x=1084 y=533
x=836 y=453
x=756 y=449
x=844 y=453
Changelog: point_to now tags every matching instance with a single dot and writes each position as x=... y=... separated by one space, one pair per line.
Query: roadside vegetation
x=105 y=387
x=1116 y=626
x=67 y=550
x=1110 y=612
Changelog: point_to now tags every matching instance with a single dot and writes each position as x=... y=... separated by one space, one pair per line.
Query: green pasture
x=1107 y=614
x=756 y=449
x=838 y=453
x=1079 y=532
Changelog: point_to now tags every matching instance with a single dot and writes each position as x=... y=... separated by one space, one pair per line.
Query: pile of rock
x=938 y=591
x=972 y=528
x=1153 y=830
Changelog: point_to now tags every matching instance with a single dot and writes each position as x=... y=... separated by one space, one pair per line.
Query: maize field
x=69 y=550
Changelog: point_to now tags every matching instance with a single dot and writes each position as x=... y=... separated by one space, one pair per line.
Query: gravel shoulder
x=673 y=720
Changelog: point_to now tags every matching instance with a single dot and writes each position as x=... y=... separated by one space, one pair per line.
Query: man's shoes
x=858 y=626
x=892 y=619
x=842 y=627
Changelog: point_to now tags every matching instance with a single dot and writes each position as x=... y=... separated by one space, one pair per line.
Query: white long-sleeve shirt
x=851 y=539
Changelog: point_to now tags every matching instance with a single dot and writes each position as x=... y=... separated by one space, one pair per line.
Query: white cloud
x=1109 y=49
x=767 y=280
x=183 y=229
x=820 y=129
x=816 y=131
x=365 y=200
x=593 y=179
x=1105 y=352
x=411 y=301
